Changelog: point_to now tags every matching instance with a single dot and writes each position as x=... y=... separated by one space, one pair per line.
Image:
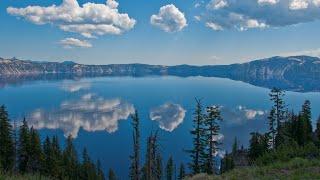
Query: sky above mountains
x=158 y=32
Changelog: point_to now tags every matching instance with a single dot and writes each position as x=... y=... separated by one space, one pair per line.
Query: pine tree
x=135 y=157
x=151 y=168
x=159 y=167
x=317 y=131
x=48 y=157
x=112 y=175
x=279 y=115
x=305 y=122
x=212 y=130
x=85 y=169
x=272 y=128
x=24 y=148
x=56 y=157
x=100 y=174
x=70 y=159
x=169 y=169
x=182 y=172
x=258 y=145
x=227 y=163
x=197 y=154
x=7 y=151
x=235 y=146
x=35 y=152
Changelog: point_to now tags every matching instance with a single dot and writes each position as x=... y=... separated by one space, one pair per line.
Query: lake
x=95 y=111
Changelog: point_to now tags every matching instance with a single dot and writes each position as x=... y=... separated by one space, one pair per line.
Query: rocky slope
x=298 y=73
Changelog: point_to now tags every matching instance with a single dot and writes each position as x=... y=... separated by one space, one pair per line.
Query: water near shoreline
x=95 y=111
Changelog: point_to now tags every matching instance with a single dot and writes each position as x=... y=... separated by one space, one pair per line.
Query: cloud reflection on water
x=241 y=115
x=90 y=112
x=168 y=115
x=75 y=86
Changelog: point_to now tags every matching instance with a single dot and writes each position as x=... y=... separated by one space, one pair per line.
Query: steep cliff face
x=299 y=73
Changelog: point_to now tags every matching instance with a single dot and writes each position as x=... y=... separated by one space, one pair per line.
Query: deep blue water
x=95 y=111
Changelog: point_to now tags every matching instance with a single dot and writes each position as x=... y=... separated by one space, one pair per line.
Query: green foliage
x=169 y=169
x=24 y=148
x=7 y=152
x=235 y=146
x=112 y=175
x=211 y=130
x=286 y=152
x=317 y=132
x=182 y=172
x=258 y=145
x=35 y=152
x=227 y=163
x=205 y=128
x=278 y=115
x=152 y=168
x=135 y=157
x=70 y=160
x=197 y=153
x=296 y=168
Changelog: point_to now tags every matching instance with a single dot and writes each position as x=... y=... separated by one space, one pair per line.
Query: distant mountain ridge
x=297 y=73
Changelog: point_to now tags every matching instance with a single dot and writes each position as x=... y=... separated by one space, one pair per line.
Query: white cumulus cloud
x=169 y=19
x=90 y=112
x=260 y=14
x=73 y=42
x=89 y=20
x=169 y=116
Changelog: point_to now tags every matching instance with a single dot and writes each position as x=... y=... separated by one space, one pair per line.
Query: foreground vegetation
x=296 y=168
x=290 y=141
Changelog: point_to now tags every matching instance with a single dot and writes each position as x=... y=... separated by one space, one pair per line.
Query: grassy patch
x=297 y=168
x=22 y=177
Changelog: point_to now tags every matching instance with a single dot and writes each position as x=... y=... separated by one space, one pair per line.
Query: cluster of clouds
x=90 y=112
x=247 y=14
x=241 y=115
x=91 y=19
x=169 y=116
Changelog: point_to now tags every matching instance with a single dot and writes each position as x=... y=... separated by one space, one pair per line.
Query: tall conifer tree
x=279 y=115
x=24 y=147
x=135 y=157
x=212 y=129
x=197 y=153
x=7 y=151
x=169 y=169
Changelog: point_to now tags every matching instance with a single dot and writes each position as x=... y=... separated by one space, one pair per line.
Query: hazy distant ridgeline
x=298 y=73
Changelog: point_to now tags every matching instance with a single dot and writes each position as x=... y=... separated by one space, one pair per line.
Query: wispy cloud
x=311 y=52
x=75 y=86
x=73 y=42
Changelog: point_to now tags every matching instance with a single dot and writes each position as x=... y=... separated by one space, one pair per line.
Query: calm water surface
x=95 y=111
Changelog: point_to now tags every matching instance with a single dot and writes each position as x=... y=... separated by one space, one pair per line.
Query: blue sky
x=158 y=32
